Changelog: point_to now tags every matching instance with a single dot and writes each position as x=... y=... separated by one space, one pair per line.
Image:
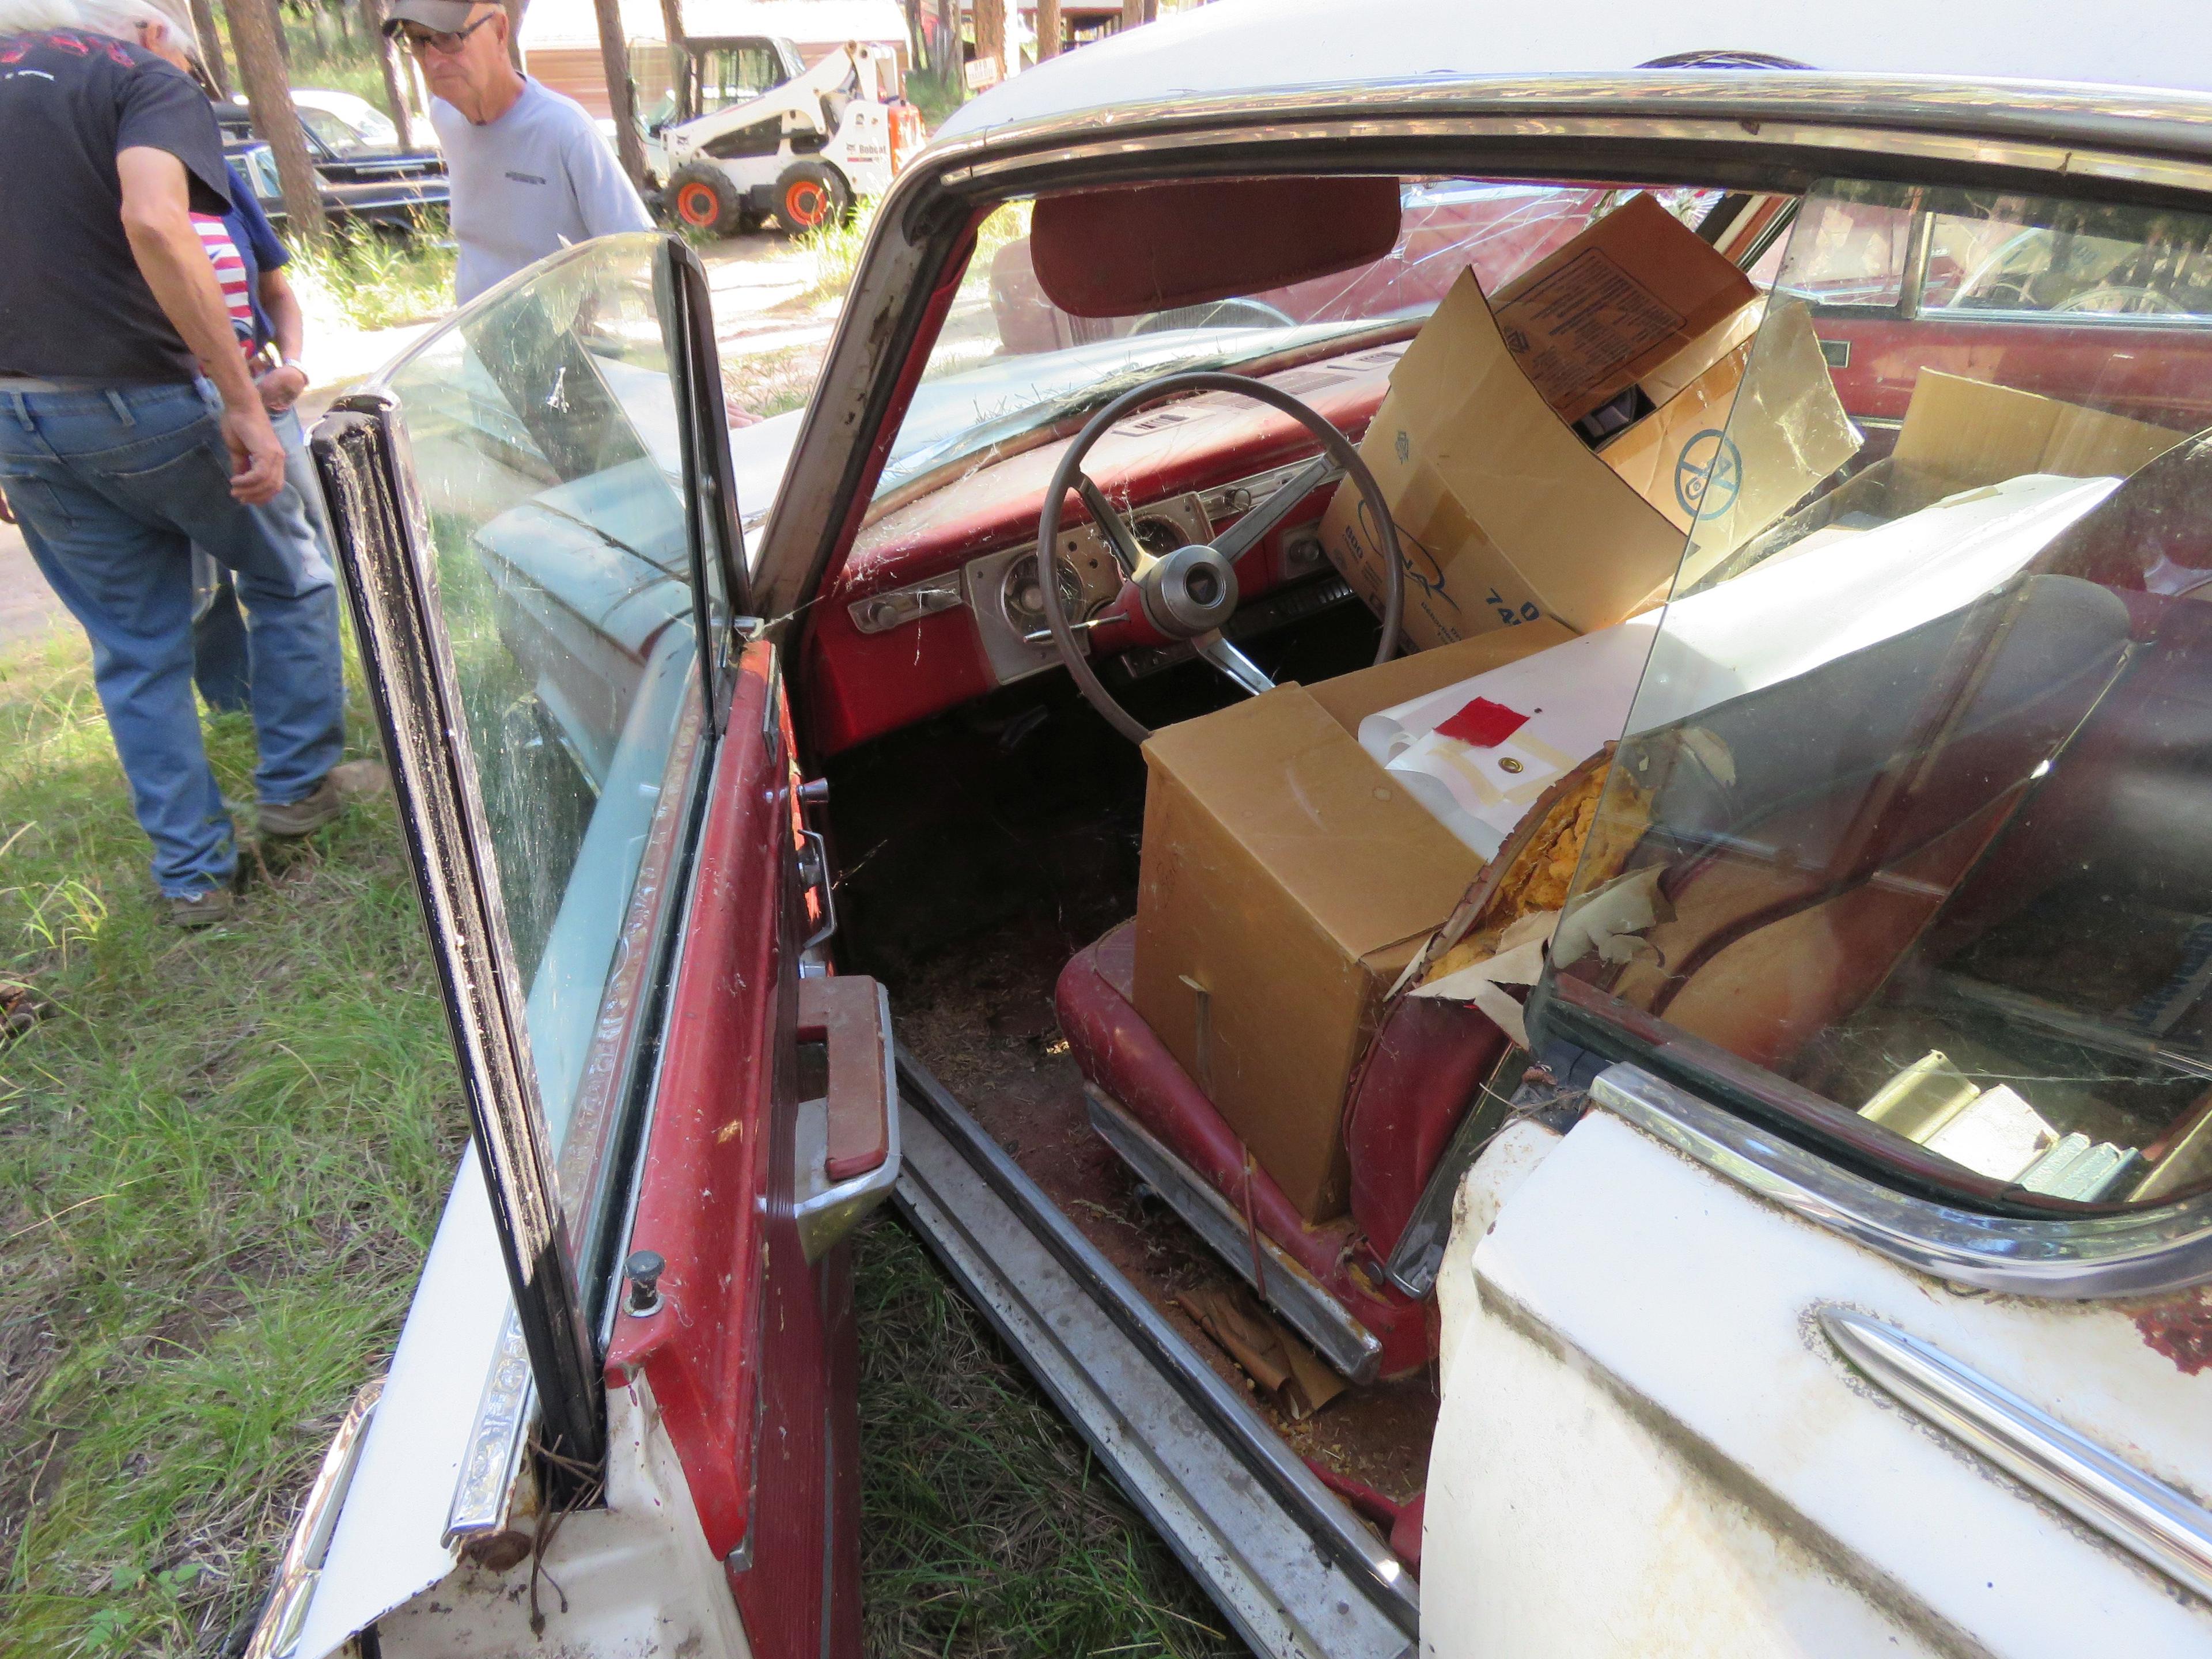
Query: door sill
x=1291 y=1567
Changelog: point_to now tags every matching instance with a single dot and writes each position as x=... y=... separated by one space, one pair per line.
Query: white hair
x=120 y=18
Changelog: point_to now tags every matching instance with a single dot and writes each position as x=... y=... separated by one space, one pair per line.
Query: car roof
x=1247 y=46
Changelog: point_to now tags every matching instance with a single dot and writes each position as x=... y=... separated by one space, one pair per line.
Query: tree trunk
x=211 y=54
x=989 y=17
x=395 y=73
x=254 y=32
x=1133 y=13
x=621 y=102
x=283 y=37
x=679 y=58
x=1047 y=29
x=948 y=35
x=315 y=26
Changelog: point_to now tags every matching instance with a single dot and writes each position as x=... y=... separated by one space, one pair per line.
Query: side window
x=548 y=454
x=1845 y=251
x=1903 y=842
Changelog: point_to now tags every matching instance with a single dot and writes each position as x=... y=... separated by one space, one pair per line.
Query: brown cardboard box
x=1504 y=514
x=1287 y=880
x=1961 y=435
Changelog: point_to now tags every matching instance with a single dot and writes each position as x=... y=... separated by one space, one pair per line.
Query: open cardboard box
x=1505 y=515
x=1287 y=880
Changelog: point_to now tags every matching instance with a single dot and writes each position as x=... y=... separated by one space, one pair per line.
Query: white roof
x=1252 y=45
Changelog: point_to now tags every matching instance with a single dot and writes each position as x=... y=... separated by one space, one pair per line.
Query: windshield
x=1009 y=362
x=1905 y=843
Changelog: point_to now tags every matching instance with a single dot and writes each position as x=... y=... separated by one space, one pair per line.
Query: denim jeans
x=221 y=665
x=112 y=488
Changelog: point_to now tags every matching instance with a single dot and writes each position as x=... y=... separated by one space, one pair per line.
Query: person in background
x=130 y=427
x=249 y=261
x=529 y=173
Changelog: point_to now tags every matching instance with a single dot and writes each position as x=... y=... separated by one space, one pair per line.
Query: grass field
x=222 y=1159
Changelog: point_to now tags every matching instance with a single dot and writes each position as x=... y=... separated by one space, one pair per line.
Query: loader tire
x=810 y=195
x=702 y=198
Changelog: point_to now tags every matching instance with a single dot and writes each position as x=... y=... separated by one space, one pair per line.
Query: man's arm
x=281 y=387
x=608 y=201
x=157 y=218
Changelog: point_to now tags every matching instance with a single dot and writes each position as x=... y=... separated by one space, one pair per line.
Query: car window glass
x=332 y=133
x=1008 y=362
x=547 y=453
x=1905 y=841
x=1848 y=251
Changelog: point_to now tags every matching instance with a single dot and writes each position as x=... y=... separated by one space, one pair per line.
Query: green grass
x=836 y=249
x=986 y=1527
x=221 y=1162
x=380 y=281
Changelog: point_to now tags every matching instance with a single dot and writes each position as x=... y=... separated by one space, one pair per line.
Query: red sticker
x=1483 y=724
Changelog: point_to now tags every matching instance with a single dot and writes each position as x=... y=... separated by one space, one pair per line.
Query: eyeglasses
x=444 y=42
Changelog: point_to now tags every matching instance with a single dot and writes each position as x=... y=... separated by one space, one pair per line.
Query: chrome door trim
x=2163 y=1528
x=360 y=452
x=1305 y=1304
x=1775 y=130
x=2096 y=1255
x=276 y=1632
x=483 y=1493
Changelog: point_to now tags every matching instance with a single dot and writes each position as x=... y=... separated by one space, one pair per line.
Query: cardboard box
x=1287 y=880
x=1961 y=435
x=1504 y=514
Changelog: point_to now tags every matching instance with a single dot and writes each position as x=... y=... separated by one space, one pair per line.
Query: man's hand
x=280 y=388
x=257 y=456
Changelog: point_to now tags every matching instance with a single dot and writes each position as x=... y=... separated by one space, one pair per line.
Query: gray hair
x=120 y=18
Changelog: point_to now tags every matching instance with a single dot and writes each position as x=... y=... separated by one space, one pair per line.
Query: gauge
x=1023 y=602
x=1159 y=536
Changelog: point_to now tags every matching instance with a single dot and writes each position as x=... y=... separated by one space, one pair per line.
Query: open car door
x=629 y=1365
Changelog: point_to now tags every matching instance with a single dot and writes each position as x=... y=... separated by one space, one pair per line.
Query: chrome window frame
x=1753 y=129
x=559 y=1247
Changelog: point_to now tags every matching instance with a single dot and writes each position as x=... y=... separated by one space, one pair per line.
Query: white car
x=1736 y=1177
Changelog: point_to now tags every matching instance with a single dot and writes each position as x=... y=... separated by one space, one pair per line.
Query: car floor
x=979 y=852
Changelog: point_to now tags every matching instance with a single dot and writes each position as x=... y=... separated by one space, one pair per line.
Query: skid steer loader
x=798 y=146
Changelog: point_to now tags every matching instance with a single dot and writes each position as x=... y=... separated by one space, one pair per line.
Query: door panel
x=1673 y=1422
x=751 y=1354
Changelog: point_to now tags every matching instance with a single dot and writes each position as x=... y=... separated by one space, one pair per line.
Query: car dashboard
x=938 y=602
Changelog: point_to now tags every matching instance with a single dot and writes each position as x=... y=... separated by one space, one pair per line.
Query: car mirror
x=1128 y=252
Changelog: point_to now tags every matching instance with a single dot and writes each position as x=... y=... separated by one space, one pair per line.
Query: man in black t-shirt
x=130 y=428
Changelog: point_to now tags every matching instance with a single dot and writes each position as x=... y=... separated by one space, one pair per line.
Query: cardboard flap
x=1967 y=433
x=1332 y=830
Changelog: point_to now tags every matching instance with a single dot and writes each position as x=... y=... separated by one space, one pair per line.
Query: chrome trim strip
x=2066 y=1258
x=483 y=1494
x=1418 y=1255
x=300 y=1568
x=1302 y=1299
x=2152 y=1521
x=1173 y=1432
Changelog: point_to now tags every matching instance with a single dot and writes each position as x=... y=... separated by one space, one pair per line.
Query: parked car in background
x=1813 y=1263
x=366 y=178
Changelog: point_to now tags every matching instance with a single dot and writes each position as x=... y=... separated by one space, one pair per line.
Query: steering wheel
x=1190 y=594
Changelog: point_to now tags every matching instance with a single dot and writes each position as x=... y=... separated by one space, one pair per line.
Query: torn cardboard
x=1274 y=1359
x=1504 y=515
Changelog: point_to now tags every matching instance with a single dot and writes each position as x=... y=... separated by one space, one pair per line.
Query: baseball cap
x=444 y=16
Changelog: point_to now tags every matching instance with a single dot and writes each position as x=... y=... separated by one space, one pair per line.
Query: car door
x=593 y=771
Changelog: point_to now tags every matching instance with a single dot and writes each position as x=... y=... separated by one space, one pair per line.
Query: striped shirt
x=229 y=272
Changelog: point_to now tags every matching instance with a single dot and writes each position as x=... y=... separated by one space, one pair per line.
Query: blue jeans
x=112 y=488
x=222 y=666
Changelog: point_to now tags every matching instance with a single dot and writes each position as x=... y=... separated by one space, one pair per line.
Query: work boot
x=208 y=909
x=319 y=807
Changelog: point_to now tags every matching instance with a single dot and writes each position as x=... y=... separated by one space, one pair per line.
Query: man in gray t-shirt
x=530 y=173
